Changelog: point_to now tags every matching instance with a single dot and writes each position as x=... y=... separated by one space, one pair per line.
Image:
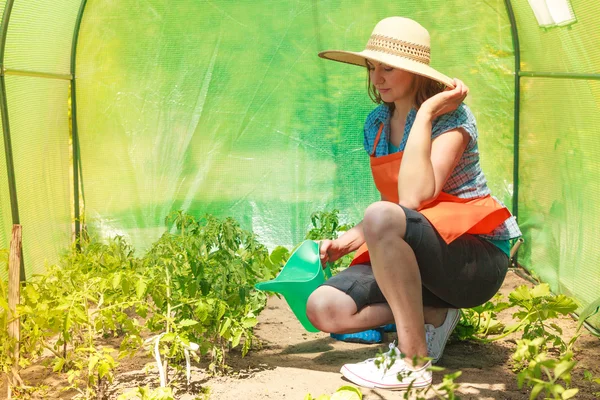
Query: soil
x=293 y=363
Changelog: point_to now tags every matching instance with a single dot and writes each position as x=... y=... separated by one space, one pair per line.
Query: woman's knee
x=383 y=218
x=327 y=308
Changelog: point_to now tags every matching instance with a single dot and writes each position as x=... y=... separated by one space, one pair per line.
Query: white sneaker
x=388 y=371
x=437 y=337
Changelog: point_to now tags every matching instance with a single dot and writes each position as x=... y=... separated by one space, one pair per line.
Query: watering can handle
x=327 y=270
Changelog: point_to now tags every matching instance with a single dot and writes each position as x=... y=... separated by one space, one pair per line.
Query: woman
x=437 y=241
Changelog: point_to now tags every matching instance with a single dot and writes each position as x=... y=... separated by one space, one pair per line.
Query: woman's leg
x=331 y=310
x=397 y=273
x=395 y=269
x=349 y=302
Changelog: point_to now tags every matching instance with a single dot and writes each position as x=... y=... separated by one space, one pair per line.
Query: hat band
x=399 y=48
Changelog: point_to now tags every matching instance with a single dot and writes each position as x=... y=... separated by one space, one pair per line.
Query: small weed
x=542 y=373
x=588 y=376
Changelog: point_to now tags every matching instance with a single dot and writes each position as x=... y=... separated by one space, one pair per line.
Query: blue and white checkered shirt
x=467 y=180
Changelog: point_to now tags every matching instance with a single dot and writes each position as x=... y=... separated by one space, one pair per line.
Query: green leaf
x=169 y=337
x=201 y=311
x=125 y=284
x=141 y=310
x=350 y=388
x=556 y=390
x=521 y=293
x=192 y=289
x=249 y=322
x=591 y=309
x=116 y=281
x=32 y=294
x=204 y=287
x=541 y=290
x=563 y=304
x=278 y=256
x=58 y=364
x=221 y=308
x=246 y=346
x=537 y=389
x=187 y=322
x=347 y=393
x=92 y=363
x=225 y=326
x=453 y=375
x=567 y=394
x=563 y=367
x=80 y=314
x=140 y=288
x=236 y=338
x=3 y=302
x=68 y=323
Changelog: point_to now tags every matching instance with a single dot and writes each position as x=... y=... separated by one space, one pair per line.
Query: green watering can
x=300 y=276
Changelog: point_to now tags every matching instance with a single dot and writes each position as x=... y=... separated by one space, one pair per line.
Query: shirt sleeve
x=459 y=118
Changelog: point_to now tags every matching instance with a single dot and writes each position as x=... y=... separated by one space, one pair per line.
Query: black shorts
x=463 y=274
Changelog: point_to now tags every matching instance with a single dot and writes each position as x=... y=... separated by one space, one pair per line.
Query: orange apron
x=451 y=216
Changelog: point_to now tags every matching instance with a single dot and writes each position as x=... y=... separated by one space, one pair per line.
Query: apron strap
x=377 y=139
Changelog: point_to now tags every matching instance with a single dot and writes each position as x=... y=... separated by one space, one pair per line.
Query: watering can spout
x=273 y=286
x=300 y=276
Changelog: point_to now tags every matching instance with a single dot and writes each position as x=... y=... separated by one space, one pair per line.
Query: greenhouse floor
x=293 y=363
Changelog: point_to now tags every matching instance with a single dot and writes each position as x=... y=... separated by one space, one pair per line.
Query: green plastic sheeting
x=559 y=170
x=226 y=108
x=560 y=182
x=36 y=63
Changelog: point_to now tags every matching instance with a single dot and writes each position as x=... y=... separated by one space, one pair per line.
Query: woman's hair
x=422 y=87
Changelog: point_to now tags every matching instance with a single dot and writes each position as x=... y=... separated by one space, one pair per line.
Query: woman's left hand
x=446 y=101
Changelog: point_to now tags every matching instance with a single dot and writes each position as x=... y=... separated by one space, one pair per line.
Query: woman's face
x=392 y=84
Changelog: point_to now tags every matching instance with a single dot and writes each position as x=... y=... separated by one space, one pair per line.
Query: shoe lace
x=389 y=358
x=384 y=357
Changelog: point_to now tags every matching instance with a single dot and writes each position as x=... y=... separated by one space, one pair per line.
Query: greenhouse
x=142 y=133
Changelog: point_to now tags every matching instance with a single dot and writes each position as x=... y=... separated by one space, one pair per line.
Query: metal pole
x=74 y=130
x=10 y=166
x=517 y=104
x=517 y=108
x=36 y=74
x=559 y=75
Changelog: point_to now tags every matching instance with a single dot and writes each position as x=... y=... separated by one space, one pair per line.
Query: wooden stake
x=14 y=294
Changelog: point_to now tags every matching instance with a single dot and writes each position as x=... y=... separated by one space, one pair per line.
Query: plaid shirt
x=467 y=180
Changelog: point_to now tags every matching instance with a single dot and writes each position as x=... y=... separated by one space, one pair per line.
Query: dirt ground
x=293 y=363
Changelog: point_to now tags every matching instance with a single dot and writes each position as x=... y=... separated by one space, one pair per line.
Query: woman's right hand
x=446 y=101
x=330 y=251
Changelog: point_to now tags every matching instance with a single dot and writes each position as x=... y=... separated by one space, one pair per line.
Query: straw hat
x=398 y=42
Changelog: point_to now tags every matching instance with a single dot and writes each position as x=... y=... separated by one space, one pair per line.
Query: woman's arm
x=352 y=239
x=426 y=165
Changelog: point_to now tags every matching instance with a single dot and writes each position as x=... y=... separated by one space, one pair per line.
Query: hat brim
x=359 y=58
